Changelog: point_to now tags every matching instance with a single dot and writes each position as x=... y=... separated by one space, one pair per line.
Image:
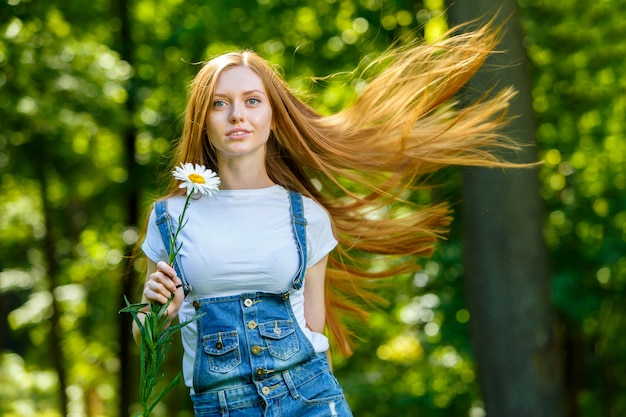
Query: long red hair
x=402 y=127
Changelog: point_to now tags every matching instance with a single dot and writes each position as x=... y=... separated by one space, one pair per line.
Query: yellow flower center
x=196 y=178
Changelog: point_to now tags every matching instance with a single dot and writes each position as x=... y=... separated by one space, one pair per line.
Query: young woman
x=274 y=257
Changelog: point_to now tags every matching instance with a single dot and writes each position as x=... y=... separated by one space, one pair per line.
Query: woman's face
x=240 y=118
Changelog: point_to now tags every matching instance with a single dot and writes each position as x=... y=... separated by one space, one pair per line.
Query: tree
x=506 y=267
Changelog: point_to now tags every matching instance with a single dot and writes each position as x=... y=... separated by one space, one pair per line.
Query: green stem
x=156 y=337
x=181 y=223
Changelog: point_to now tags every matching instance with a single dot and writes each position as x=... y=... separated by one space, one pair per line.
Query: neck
x=235 y=176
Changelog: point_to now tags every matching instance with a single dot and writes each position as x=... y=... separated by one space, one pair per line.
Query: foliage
x=59 y=152
x=577 y=51
x=65 y=167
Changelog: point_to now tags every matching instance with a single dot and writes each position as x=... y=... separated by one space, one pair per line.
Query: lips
x=236 y=133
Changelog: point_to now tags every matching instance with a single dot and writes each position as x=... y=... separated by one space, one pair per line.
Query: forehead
x=238 y=79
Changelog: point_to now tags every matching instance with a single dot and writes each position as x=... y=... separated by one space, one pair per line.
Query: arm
x=314 y=299
x=161 y=283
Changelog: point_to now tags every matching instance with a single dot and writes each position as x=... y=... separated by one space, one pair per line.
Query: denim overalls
x=252 y=358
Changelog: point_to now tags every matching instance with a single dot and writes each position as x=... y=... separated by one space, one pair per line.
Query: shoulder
x=168 y=204
x=314 y=211
x=163 y=209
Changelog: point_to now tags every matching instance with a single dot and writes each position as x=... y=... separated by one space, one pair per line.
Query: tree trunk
x=56 y=340
x=128 y=383
x=506 y=263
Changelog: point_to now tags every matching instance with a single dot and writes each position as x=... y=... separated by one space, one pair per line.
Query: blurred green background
x=91 y=94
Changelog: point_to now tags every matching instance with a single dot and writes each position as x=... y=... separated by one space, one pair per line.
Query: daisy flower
x=197 y=179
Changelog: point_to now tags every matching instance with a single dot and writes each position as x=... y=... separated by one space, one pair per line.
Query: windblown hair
x=402 y=128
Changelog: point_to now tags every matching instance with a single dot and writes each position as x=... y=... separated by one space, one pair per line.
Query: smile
x=238 y=132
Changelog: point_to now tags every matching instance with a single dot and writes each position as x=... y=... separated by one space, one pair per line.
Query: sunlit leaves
x=26 y=389
x=401 y=348
x=580 y=108
x=62 y=101
x=20 y=206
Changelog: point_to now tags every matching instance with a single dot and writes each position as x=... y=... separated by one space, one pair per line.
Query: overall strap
x=164 y=222
x=299 y=228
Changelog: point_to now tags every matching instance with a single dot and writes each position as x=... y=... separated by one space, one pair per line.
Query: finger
x=166 y=269
x=166 y=281
x=155 y=296
x=177 y=282
x=160 y=288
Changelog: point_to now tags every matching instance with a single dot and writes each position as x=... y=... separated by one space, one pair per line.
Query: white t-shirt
x=240 y=241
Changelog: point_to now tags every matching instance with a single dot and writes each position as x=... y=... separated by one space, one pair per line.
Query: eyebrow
x=245 y=93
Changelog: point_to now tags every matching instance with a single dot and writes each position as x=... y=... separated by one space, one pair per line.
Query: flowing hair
x=364 y=161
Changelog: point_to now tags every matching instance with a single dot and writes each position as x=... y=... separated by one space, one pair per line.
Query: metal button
x=219 y=345
x=256 y=349
x=277 y=330
x=259 y=372
x=248 y=302
x=196 y=304
x=252 y=325
x=266 y=390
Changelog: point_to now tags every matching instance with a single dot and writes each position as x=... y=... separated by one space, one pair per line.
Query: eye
x=253 y=101
x=219 y=104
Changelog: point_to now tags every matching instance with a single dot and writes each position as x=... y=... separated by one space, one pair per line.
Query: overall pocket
x=223 y=351
x=322 y=389
x=280 y=337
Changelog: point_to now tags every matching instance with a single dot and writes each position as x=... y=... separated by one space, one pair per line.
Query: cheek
x=265 y=120
x=212 y=124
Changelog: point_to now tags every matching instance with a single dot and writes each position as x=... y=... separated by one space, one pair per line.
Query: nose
x=236 y=115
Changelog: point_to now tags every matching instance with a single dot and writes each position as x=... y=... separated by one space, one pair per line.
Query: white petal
x=185 y=170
